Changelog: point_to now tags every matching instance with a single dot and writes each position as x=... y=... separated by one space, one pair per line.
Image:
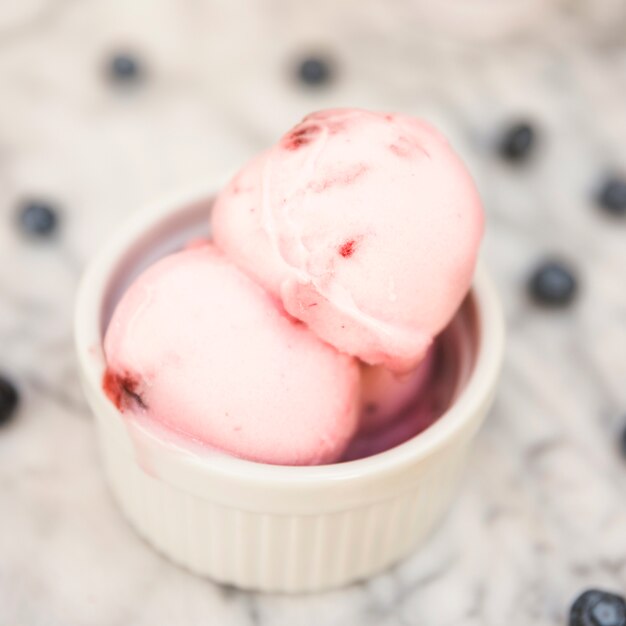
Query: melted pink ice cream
x=365 y=225
x=200 y=348
x=385 y=394
x=417 y=405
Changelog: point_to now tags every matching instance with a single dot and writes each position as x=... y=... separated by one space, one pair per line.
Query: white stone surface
x=543 y=511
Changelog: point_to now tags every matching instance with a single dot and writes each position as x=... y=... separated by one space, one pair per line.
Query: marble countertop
x=542 y=514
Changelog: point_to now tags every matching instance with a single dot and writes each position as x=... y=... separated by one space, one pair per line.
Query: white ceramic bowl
x=266 y=527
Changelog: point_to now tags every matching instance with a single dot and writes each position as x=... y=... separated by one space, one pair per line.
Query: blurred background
x=107 y=105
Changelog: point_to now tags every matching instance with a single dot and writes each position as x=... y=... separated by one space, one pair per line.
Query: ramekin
x=266 y=527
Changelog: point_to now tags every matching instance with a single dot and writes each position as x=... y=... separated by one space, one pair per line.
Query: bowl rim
x=471 y=400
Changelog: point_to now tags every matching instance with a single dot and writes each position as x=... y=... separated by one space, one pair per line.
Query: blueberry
x=38 y=218
x=517 y=142
x=598 y=608
x=9 y=399
x=314 y=71
x=124 y=68
x=612 y=195
x=553 y=284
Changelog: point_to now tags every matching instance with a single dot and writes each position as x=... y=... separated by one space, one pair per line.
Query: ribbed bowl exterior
x=279 y=552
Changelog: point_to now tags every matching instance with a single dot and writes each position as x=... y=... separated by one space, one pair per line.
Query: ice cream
x=365 y=225
x=386 y=394
x=303 y=334
x=413 y=420
x=197 y=346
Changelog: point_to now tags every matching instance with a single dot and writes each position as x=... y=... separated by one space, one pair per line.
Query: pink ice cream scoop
x=386 y=394
x=366 y=226
x=200 y=348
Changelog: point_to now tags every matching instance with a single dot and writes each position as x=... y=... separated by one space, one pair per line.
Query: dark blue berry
x=9 y=399
x=125 y=68
x=598 y=608
x=517 y=142
x=38 y=218
x=612 y=196
x=314 y=71
x=553 y=283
